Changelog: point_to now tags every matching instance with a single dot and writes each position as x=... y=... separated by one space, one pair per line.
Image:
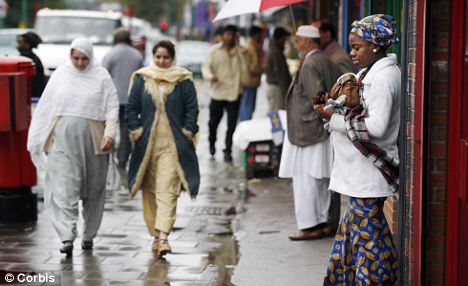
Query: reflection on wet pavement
x=204 y=250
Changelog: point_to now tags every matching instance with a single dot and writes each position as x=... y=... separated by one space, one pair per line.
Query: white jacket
x=352 y=173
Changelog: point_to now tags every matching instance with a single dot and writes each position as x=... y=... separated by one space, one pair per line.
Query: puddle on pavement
x=225 y=258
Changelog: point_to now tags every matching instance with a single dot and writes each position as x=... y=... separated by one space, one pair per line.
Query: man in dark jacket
x=306 y=153
x=26 y=43
x=277 y=72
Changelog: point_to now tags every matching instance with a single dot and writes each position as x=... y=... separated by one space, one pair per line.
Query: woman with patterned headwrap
x=365 y=164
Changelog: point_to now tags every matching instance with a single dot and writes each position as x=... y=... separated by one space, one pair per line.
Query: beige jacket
x=228 y=67
x=253 y=56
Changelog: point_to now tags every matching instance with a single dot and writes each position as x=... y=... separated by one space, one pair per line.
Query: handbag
x=349 y=86
x=114 y=179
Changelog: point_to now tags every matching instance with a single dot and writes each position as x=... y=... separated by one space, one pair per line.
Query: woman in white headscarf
x=72 y=130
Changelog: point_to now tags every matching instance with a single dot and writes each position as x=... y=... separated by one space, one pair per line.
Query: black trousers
x=217 y=108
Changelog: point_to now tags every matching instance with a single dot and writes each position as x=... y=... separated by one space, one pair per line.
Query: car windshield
x=8 y=41
x=63 y=30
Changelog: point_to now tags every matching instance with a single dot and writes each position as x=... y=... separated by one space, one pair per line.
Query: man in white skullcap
x=306 y=154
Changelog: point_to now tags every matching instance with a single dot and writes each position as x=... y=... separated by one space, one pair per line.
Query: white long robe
x=309 y=167
x=74 y=170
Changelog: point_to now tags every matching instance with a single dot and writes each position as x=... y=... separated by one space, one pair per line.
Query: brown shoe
x=164 y=247
x=306 y=235
x=155 y=245
x=67 y=248
x=87 y=244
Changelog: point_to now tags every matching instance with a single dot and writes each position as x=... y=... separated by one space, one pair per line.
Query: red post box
x=17 y=173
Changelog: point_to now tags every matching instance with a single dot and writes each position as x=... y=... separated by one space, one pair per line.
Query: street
x=395 y=141
x=227 y=236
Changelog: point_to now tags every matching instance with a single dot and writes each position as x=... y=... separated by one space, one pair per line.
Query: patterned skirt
x=363 y=252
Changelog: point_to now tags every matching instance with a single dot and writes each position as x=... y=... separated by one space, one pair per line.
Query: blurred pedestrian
x=332 y=49
x=252 y=77
x=224 y=68
x=363 y=252
x=121 y=62
x=74 y=125
x=25 y=44
x=162 y=112
x=306 y=153
x=140 y=46
x=277 y=72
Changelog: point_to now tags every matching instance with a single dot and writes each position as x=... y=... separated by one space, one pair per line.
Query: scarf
x=379 y=29
x=88 y=94
x=357 y=132
x=161 y=79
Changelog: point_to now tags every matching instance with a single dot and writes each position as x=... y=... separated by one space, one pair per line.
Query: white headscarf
x=86 y=47
x=89 y=94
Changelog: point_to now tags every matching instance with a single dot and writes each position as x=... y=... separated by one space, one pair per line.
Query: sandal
x=86 y=245
x=67 y=248
x=164 y=247
x=155 y=245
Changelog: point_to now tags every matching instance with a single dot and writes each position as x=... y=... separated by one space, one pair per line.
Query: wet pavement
x=204 y=251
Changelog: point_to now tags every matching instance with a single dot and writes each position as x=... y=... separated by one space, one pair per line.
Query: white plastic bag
x=114 y=179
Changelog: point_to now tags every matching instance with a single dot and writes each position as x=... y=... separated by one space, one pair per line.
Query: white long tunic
x=314 y=159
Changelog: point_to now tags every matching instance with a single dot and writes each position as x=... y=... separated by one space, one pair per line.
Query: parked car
x=8 y=41
x=58 y=28
x=192 y=54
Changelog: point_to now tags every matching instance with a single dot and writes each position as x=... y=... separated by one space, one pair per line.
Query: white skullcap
x=308 y=31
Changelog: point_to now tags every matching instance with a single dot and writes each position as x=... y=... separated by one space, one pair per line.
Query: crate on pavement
x=260 y=140
x=262 y=159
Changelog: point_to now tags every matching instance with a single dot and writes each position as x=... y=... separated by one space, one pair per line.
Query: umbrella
x=238 y=7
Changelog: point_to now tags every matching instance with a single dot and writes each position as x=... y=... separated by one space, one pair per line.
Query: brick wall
x=410 y=99
x=436 y=130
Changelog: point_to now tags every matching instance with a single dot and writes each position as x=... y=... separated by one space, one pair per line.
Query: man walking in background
x=121 y=62
x=306 y=151
x=224 y=69
x=277 y=72
x=253 y=56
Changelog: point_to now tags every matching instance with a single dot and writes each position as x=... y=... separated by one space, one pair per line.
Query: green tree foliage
x=14 y=14
x=157 y=11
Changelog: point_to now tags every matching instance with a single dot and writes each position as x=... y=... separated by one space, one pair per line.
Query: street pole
x=24 y=14
x=3 y=12
x=169 y=12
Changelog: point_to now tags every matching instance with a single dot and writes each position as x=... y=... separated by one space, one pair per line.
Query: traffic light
x=163 y=26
